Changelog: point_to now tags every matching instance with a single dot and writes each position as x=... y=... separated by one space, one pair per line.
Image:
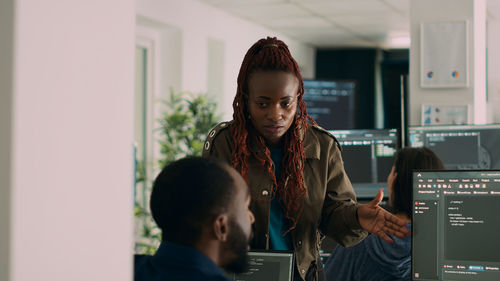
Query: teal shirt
x=278 y=223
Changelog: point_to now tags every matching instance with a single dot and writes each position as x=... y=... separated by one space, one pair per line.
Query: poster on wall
x=445 y=114
x=444 y=55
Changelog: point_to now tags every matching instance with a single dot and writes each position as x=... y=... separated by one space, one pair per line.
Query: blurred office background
x=80 y=83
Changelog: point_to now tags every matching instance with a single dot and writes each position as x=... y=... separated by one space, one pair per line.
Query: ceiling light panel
x=328 y=8
x=387 y=18
x=301 y=30
x=268 y=11
x=327 y=23
x=296 y=22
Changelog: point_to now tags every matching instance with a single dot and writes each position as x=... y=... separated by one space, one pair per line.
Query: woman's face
x=272 y=103
x=390 y=183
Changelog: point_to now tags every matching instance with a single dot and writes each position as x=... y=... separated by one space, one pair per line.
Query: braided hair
x=271 y=54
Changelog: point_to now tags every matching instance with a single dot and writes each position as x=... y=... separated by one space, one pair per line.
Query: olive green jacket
x=330 y=203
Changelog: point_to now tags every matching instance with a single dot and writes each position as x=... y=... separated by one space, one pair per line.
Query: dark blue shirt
x=175 y=262
x=278 y=223
x=373 y=259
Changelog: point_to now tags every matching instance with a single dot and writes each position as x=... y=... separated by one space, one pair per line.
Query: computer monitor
x=461 y=147
x=331 y=103
x=368 y=157
x=456 y=225
x=268 y=266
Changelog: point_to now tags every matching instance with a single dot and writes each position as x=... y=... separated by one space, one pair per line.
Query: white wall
x=196 y=24
x=493 y=71
x=475 y=94
x=72 y=132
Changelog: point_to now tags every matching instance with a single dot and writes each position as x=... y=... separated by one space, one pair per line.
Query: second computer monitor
x=368 y=157
x=461 y=147
x=331 y=103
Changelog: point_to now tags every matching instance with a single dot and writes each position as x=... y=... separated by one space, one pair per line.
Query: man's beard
x=237 y=244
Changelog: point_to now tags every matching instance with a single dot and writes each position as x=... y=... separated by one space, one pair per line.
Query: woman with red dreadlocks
x=300 y=191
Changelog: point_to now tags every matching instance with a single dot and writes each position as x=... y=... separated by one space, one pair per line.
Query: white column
x=494 y=70
x=474 y=11
x=68 y=179
x=479 y=53
x=6 y=95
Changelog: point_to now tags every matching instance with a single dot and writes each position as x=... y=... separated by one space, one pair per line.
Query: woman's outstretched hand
x=378 y=221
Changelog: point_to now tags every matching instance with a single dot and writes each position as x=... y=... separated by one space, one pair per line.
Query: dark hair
x=188 y=194
x=407 y=160
x=271 y=54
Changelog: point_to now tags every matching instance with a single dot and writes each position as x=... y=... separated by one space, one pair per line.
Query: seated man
x=201 y=206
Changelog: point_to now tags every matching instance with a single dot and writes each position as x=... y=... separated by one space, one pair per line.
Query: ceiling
x=334 y=23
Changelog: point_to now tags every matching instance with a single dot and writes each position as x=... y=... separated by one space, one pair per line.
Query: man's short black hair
x=188 y=194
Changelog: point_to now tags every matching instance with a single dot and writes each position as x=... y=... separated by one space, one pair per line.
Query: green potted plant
x=184 y=125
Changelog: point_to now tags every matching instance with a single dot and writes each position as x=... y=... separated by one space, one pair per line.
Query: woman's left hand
x=380 y=222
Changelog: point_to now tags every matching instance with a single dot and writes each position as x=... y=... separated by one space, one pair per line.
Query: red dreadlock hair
x=271 y=54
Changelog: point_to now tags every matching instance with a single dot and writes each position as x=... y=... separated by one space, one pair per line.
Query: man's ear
x=221 y=227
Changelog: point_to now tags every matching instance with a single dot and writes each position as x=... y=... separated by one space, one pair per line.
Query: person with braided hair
x=299 y=189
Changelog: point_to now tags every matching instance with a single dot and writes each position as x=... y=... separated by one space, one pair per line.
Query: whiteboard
x=444 y=55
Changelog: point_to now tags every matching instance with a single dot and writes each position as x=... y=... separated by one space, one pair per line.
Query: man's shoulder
x=144 y=269
x=140 y=259
x=173 y=262
x=170 y=270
